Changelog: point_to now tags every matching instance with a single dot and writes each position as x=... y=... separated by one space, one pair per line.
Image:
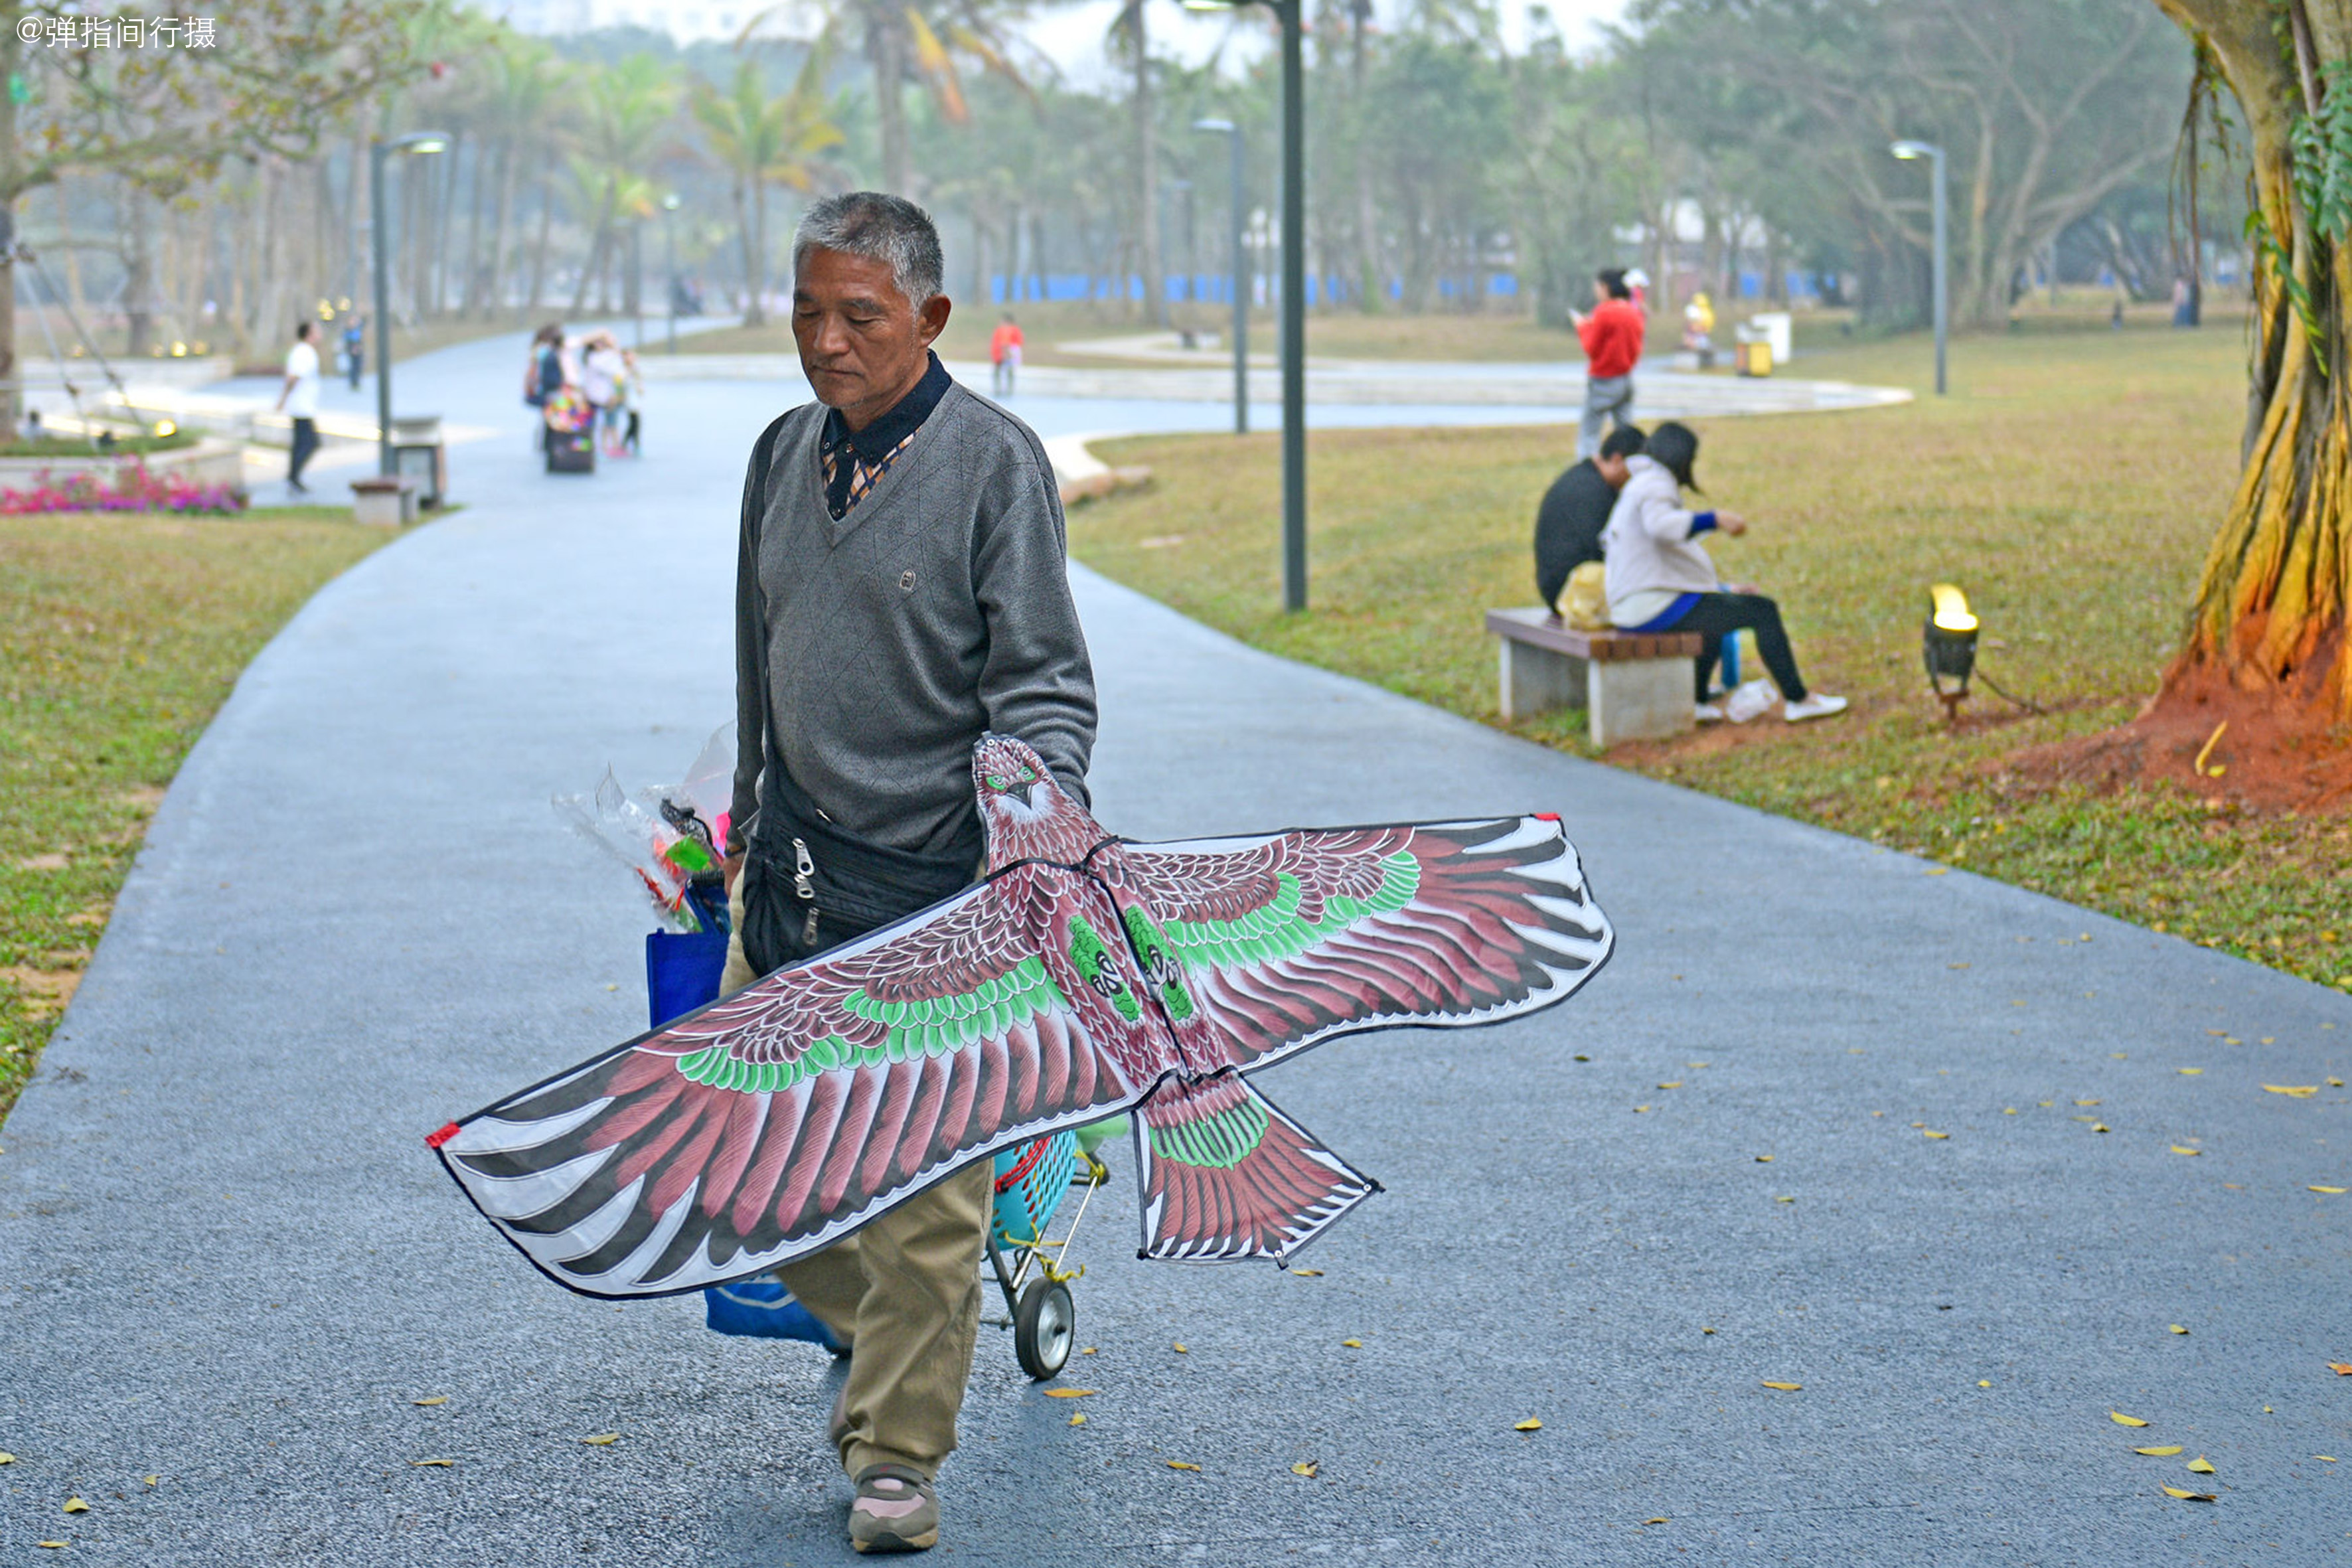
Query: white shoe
x=1707 y=713
x=1819 y=705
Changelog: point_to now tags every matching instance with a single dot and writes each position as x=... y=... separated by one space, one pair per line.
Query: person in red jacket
x=1612 y=347
x=1004 y=355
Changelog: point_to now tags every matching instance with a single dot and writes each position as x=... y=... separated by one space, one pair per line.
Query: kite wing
x=1264 y=947
x=776 y=1122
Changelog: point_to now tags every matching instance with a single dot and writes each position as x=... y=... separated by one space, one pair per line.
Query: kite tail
x=1227 y=1176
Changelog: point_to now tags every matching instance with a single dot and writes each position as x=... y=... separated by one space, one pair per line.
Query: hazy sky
x=1073 y=35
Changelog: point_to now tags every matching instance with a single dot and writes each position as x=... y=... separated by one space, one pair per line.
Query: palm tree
x=524 y=85
x=1127 y=28
x=627 y=104
x=762 y=141
x=903 y=39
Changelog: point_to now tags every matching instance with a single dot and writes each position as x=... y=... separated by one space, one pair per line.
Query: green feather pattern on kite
x=1091 y=957
x=1276 y=930
x=1219 y=1140
x=926 y=1026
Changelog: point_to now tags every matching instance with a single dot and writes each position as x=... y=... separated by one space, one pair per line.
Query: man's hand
x=1731 y=523
x=1747 y=589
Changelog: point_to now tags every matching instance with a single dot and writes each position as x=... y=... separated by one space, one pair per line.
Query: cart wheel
x=1043 y=1326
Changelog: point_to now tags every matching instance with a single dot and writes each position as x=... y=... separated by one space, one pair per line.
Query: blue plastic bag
x=762 y=1309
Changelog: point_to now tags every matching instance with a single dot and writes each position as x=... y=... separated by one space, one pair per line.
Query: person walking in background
x=1611 y=336
x=1660 y=579
x=355 y=348
x=300 y=398
x=601 y=371
x=1577 y=507
x=633 y=398
x=1003 y=355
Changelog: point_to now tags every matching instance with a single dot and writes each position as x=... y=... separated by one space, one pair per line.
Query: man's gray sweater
x=886 y=641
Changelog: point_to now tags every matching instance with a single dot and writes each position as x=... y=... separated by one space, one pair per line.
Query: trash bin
x=1751 y=354
x=419 y=453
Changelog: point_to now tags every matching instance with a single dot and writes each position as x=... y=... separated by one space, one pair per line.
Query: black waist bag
x=812 y=885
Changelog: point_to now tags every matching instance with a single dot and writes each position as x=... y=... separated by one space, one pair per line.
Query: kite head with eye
x=1028 y=815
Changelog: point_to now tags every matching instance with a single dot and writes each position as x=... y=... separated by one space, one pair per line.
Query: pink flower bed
x=137 y=491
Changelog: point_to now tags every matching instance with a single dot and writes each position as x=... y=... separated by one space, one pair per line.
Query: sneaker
x=1707 y=713
x=896 y=1510
x=1819 y=705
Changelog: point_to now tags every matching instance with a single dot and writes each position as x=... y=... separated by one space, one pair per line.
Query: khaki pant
x=904 y=1292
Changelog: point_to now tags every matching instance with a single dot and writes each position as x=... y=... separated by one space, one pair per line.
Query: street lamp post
x=380 y=152
x=1910 y=150
x=1288 y=19
x=669 y=260
x=1233 y=133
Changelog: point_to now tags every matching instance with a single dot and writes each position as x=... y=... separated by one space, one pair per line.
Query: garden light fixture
x=1948 y=645
x=379 y=152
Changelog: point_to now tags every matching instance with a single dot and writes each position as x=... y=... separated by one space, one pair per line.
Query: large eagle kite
x=1085 y=975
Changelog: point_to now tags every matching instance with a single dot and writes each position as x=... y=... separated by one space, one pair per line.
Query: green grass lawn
x=2070 y=484
x=120 y=636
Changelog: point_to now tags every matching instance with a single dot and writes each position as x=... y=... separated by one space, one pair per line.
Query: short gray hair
x=880 y=228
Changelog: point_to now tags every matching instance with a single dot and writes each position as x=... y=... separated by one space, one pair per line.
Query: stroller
x=570 y=443
x=1032 y=1182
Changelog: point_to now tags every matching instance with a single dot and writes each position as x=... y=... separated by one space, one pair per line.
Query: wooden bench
x=1634 y=686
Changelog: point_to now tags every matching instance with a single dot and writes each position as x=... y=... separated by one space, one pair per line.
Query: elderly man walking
x=1611 y=336
x=901 y=588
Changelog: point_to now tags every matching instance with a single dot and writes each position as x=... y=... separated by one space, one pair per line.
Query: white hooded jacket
x=1651 y=546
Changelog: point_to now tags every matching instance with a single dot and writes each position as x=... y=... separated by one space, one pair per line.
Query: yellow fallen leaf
x=440 y=1464
x=2328 y=1189
x=1706 y=1330
x=1353 y=1344
x=2191 y=1072
x=1088 y=1351
x=1079 y=1419
x=432 y=1399
x=1308 y=1273
x=2190 y=1496
x=2192 y=1153
x=1181 y=1465
x=2098 y=1127
x=1306 y=1469
x=74 y=1505
x=1069 y=1394
x=2009 y=1110
x=2086 y=1103
x=1639 y=1109
x=1529 y=1425
x=6 y=1458
x=2340 y=1368
x=2300 y=1090
x=2120 y=1419
x=602 y=1439
x=1182 y=1349
x=1984 y=1383
x=1936 y=871
x=1784 y=1200
x=1763 y=1159
x=50 y=1545
x=2163 y=1453
x=1676 y=1084
x=150 y=1480
x=2176 y=1328
x=2199 y=1466
x=1785 y=1387
x=1662 y=1517
x=2324 y=1458
x=1929 y=1133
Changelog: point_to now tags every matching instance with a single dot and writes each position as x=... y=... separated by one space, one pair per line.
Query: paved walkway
x=226 y=1261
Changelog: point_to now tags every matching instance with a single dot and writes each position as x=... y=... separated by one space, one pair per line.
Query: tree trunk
x=539 y=251
x=886 y=52
x=1147 y=168
x=1370 y=274
x=2270 y=608
x=503 y=228
x=138 y=275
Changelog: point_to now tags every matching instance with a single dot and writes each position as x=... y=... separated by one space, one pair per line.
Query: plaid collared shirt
x=852 y=463
x=862 y=476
